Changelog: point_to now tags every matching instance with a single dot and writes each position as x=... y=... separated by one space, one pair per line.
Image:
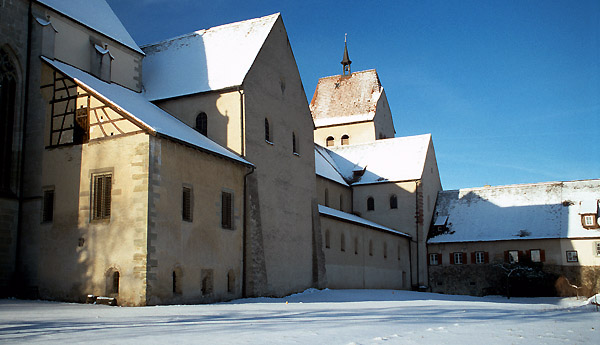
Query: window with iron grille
x=186 y=208
x=101 y=195
x=226 y=210
x=572 y=256
x=48 y=211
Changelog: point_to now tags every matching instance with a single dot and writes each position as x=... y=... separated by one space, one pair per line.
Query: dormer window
x=588 y=209
x=589 y=221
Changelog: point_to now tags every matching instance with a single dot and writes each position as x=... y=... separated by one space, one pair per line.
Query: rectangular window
x=226 y=210
x=479 y=257
x=535 y=255
x=458 y=258
x=597 y=248
x=186 y=208
x=101 y=195
x=48 y=211
x=513 y=256
x=433 y=259
x=572 y=256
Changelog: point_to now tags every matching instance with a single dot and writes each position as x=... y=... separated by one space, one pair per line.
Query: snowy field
x=312 y=317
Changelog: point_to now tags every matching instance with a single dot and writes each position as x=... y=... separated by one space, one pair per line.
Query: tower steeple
x=346 y=60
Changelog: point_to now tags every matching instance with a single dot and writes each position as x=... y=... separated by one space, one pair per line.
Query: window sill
x=296 y=154
x=268 y=142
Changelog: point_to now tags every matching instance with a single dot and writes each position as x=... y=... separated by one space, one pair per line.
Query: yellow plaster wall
x=359 y=133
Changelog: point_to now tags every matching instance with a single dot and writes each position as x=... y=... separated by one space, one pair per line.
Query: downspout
x=20 y=196
x=244 y=231
x=417 y=227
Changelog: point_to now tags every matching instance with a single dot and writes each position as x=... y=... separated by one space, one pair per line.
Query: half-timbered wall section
x=77 y=116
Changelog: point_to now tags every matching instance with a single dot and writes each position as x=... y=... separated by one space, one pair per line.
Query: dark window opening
x=207 y=282
x=267 y=131
x=330 y=141
x=345 y=139
x=370 y=247
x=230 y=281
x=48 y=211
x=101 y=198
x=8 y=87
x=393 y=202
x=202 y=123
x=327 y=239
x=186 y=209
x=227 y=210
x=115 y=282
x=343 y=243
x=294 y=143
x=370 y=204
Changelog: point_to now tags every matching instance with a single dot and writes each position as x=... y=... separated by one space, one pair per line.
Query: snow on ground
x=312 y=317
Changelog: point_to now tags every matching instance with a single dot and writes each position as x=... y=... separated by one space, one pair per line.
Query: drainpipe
x=417 y=227
x=244 y=231
x=20 y=196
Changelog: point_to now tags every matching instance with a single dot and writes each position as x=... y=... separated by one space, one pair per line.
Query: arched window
x=177 y=281
x=294 y=143
x=326 y=197
x=8 y=88
x=115 y=282
x=370 y=204
x=267 y=131
x=343 y=242
x=345 y=139
x=329 y=141
x=393 y=201
x=327 y=239
x=202 y=123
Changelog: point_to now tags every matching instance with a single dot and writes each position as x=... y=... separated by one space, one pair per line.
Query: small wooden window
x=227 y=210
x=572 y=256
x=101 y=196
x=433 y=259
x=370 y=204
x=393 y=202
x=186 y=208
x=535 y=255
x=589 y=221
x=330 y=141
x=458 y=258
x=202 y=123
x=267 y=131
x=479 y=257
x=511 y=256
x=48 y=211
x=345 y=139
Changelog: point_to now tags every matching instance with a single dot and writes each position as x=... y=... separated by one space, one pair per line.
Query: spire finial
x=346 y=60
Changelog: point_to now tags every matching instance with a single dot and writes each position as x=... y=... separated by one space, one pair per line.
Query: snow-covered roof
x=142 y=111
x=385 y=160
x=344 y=99
x=328 y=211
x=97 y=15
x=325 y=166
x=205 y=60
x=529 y=211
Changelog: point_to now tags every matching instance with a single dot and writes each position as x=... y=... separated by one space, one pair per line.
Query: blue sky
x=510 y=90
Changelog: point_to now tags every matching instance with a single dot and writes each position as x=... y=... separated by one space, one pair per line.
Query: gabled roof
x=514 y=212
x=204 y=60
x=325 y=166
x=385 y=160
x=141 y=111
x=346 y=99
x=333 y=213
x=96 y=15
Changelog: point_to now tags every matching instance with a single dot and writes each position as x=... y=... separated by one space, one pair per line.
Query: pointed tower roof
x=346 y=62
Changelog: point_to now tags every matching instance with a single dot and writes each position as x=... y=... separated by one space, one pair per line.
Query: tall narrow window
x=8 y=87
x=207 y=281
x=226 y=210
x=355 y=245
x=267 y=131
x=101 y=197
x=327 y=239
x=115 y=282
x=341 y=202
x=393 y=202
x=370 y=204
x=326 y=197
x=370 y=247
x=330 y=141
x=294 y=143
x=343 y=242
x=230 y=281
x=385 y=250
x=186 y=208
x=202 y=123
x=345 y=139
x=48 y=211
x=175 y=283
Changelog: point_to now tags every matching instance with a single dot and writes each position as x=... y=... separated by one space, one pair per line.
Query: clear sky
x=510 y=90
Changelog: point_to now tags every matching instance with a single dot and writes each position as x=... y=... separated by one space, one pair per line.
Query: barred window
x=102 y=185
x=186 y=209
x=48 y=211
x=226 y=210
